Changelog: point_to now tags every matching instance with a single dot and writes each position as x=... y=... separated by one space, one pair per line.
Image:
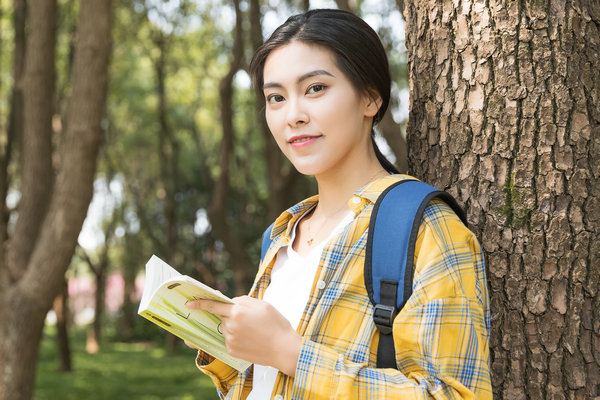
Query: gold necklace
x=310 y=241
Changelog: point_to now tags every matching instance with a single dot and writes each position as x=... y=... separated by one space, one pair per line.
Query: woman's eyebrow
x=301 y=78
x=314 y=73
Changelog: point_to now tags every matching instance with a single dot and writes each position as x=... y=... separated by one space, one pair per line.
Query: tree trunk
x=168 y=151
x=35 y=277
x=400 y=4
x=37 y=175
x=217 y=210
x=169 y=159
x=344 y=5
x=505 y=113
x=20 y=335
x=15 y=119
x=100 y=271
x=128 y=310
x=61 y=310
x=392 y=132
x=93 y=343
x=23 y=320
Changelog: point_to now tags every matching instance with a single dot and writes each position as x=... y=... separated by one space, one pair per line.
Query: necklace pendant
x=309 y=241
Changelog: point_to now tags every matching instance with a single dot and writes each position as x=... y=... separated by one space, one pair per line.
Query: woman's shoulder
x=442 y=225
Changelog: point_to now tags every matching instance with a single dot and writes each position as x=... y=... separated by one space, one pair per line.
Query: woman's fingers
x=188 y=344
x=213 y=307
x=255 y=331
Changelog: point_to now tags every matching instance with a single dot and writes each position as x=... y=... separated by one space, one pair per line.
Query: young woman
x=307 y=325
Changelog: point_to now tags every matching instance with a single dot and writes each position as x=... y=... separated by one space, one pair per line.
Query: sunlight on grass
x=120 y=371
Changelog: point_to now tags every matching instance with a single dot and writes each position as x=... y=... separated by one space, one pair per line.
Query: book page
x=165 y=307
x=157 y=272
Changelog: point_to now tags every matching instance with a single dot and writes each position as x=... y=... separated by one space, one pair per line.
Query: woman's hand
x=191 y=346
x=255 y=331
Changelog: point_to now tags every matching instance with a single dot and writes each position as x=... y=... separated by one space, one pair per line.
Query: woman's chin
x=307 y=169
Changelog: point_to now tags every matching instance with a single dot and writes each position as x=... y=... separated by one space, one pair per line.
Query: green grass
x=120 y=371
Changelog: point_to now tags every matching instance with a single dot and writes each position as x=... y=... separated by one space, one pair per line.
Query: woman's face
x=316 y=116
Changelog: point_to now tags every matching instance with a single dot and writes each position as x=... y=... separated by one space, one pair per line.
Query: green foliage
x=194 y=41
x=192 y=68
x=120 y=371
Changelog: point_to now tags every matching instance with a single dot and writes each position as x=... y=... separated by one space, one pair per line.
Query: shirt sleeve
x=222 y=375
x=441 y=335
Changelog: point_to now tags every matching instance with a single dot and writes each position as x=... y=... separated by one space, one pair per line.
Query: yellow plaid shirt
x=441 y=335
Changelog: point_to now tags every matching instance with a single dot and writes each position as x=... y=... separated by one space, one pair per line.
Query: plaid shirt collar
x=281 y=232
x=368 y=194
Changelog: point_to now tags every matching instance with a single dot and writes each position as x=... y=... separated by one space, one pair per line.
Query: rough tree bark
x=505 y=113
x=39 y=251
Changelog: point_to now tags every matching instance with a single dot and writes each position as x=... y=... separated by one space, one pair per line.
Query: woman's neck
x=336 y=187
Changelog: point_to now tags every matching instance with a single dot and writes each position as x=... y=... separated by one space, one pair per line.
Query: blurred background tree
x=168 y=135
x=48 y=161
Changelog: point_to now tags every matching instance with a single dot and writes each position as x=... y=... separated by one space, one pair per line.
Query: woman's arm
x=441 y=335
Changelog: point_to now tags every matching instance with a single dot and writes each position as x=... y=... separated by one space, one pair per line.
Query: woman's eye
x=274 y=98
x=316 y=88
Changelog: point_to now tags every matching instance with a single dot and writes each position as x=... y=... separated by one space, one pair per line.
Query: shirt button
x=320 y=284
x=278 y=397
x=356 y=200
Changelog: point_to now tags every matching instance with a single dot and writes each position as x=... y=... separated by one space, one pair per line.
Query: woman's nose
x=297 y=114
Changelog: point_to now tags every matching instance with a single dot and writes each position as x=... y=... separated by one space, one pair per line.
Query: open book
x=165 y=294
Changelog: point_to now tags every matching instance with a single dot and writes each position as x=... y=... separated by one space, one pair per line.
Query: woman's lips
x=301 y=141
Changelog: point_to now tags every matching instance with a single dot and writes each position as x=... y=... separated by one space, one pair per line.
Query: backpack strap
x=266 y=241
x=389 y=254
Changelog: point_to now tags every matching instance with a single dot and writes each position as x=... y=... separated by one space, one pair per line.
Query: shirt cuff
x=221 y=374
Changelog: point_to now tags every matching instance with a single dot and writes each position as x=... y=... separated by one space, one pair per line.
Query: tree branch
x=85 y=256
x=37 y=176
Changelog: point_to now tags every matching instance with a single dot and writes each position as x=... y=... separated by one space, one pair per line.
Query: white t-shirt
x=291 y=282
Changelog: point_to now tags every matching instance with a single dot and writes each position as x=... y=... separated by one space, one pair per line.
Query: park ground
x=144 y=371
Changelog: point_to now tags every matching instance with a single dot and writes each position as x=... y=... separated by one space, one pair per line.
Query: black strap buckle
x=383 y=316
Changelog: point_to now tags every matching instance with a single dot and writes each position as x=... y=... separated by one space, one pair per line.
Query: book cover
x=165 y=294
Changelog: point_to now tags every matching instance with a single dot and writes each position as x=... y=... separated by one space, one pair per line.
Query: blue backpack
x=389 y=253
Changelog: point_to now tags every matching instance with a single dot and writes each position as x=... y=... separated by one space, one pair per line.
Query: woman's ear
x=372 y=103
